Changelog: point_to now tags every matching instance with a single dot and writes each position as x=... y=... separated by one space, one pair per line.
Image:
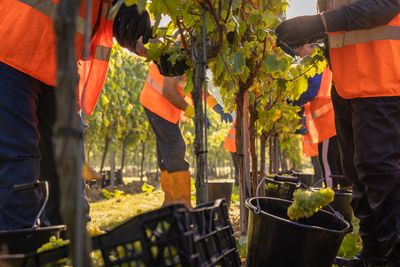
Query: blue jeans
x=19 y=147
x=27 y=116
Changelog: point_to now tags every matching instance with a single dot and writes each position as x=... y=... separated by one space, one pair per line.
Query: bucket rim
x=346 y=230
x=34 y=230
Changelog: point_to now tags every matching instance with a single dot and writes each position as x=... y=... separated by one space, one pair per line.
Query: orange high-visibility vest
x=320 y=117
x=310 y=149
x=153 y=99
x=366 y=63
x=93 y=70
x=28 y=42
x=230 y=139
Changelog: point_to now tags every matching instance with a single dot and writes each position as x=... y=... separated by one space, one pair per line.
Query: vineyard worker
x=310 y=149
x=230 y=146
x=163 y=101
x=320 y=119
x=364 y=49
x=27 y=104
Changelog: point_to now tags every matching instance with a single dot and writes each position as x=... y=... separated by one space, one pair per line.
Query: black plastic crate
x=168 y=237
x=159 y=238
x=213 y=235
x=106 y=178
x=163 y=238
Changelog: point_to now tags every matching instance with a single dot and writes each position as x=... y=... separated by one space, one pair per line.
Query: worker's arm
x=314 y=84
x=212 y=103
x=363 y=14
x=171 y=93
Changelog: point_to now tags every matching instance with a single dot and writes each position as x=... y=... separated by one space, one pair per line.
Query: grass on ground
x=106 y=214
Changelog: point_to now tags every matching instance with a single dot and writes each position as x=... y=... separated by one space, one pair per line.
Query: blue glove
x=302 y=131
x=225 y=117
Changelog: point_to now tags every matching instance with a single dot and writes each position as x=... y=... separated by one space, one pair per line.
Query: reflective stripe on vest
x=364 y=36
x=49 y=8
x=320 y=111
x=102 y=53
x=159 y=87
x=155 y=85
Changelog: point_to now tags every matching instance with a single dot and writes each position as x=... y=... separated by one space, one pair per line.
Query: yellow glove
x=189 y=111
x=88 y=173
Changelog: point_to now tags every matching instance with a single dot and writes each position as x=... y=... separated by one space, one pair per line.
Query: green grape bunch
x=54 y=242
x=307 y=202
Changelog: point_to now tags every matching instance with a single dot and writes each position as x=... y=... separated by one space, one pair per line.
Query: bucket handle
x=36 y=223
x=257 y=209
x=30 y=186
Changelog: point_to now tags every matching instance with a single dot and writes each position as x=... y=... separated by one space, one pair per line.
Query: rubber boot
x=181 y=187
x=167 y=186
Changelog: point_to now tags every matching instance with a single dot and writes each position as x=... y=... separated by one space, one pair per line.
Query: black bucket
x=275 y=241
x=218 y=189
x=305 y=178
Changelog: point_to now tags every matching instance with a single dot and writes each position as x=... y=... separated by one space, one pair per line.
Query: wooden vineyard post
x=242 y=145
x=68 y=134
x=246 y=166
x=199 y=85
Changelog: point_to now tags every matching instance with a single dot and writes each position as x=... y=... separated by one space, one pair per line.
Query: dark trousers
x=329 y=159
x=27 y=116
x=171 y=147
x=317 y=168
x=368 y=131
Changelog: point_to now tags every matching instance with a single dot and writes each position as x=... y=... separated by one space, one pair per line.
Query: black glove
x=300 y=31
x=166 y=68
x=129 y=26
